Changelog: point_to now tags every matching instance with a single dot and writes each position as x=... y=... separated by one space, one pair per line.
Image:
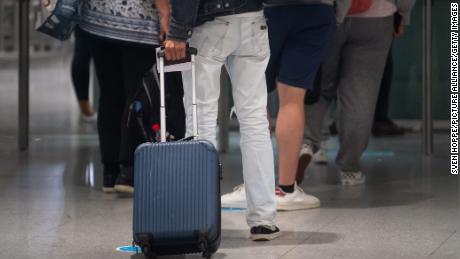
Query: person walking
x=300 y=32
x=352 y=73
x=233 y=35
x=123 y=37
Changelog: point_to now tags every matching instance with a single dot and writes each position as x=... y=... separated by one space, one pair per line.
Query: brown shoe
x=306 y=153
x=380 y=129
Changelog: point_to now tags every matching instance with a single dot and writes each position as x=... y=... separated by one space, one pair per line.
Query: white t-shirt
x=379 y=8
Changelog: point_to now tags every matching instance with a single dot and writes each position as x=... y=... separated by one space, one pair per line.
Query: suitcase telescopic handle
x=190 y=51
x=161 y=55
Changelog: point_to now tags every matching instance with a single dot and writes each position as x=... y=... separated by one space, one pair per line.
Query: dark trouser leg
x=109 y=67
x=381 y=110
x=80 y=65
x=315 y=113
x=138 y=61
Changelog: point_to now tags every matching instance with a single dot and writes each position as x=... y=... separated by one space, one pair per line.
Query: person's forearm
x=162 y=7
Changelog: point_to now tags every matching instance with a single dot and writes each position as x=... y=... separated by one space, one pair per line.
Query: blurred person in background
x=80 y=69
x=352 y=73
x=383 y=124
x=122 y=37
x=80 y=73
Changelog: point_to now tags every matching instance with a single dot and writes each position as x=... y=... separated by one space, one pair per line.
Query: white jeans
x=240 y=42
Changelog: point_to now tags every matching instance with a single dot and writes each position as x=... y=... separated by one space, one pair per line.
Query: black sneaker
x=264 y=233
x=109 y=183
x=110 y=176
x=125 y=180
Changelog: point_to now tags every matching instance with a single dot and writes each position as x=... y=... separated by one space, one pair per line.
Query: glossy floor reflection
x=51 y=205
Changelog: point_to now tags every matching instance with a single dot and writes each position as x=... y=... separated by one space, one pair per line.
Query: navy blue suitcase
x=177 y=206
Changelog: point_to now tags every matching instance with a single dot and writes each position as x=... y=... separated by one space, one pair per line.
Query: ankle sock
x=287 y=188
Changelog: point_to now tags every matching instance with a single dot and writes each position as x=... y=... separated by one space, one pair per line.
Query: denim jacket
x=187 y=14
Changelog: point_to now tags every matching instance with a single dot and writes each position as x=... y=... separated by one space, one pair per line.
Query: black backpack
x=144 y=110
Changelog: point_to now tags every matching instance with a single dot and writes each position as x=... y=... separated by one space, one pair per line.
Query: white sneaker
x=320 y=157
x=298 y=200
x=89 y=119
x=305 y=156
x=235 y=199
x=352 y=178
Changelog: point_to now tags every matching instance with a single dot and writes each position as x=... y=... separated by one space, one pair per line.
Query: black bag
x=62 y=21
x=144 y=110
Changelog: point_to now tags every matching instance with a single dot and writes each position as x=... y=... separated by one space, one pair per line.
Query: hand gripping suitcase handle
x=190 y=50
x=161 y=55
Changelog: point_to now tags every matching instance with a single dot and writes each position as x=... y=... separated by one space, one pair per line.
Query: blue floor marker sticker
x=378 y=154
x=129 y=249
x=232 y=209
x=333 y=153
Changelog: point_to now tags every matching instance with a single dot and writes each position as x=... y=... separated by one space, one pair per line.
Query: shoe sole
x=320 y=159
x=297 y=206
x=304 y=161
x=321 y=162
x=264 y=237
x=124 y=188
x=348 y=183
x=108 y=189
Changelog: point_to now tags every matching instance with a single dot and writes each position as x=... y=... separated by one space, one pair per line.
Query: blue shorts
x=300 y=36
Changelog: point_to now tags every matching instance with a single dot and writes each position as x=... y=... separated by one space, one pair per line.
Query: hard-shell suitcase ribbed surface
x=176 y=189
x=177 y=197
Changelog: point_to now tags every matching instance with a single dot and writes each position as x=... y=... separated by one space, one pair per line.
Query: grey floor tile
x=450 y=248
x=51 y=205
x=369 y=243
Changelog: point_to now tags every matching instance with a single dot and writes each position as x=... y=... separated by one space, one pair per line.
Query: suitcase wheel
x=204 y=248
x=145 y=242
x=203 y=243
x=148 y=252
x=207 y=255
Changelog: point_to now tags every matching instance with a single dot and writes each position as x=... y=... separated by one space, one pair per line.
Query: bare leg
x=289 y=131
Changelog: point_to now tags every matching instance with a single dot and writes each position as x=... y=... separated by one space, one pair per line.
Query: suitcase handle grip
x=161 y=56
x=190 y=51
